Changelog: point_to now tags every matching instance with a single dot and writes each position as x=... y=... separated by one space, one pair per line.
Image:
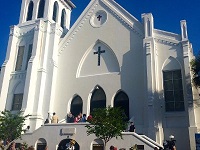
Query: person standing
x=132 y=127
x=54 y=118
x=83 y=119
x=70 y=118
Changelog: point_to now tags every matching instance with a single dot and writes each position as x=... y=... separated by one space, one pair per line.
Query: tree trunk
x=105 y=145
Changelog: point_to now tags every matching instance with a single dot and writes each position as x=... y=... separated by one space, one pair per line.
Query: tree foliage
x=11 y=125
x=195 y=68
x=107 y=123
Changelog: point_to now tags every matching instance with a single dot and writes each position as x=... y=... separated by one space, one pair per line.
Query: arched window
x=76 y=105
x=121 y=100
x=173 y=90
x=30 y=11
x=55 y=11
x=98 y=99
x=41 y=9
x=63 y=19
x=173 y=87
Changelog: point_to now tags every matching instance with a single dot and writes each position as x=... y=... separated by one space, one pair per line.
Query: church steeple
x=53 y=10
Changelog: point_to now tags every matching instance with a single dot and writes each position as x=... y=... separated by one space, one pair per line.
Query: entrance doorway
x=97 y=147
x=64 y=144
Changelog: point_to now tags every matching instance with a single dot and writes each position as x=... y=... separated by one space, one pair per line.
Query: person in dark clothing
x=132 y=127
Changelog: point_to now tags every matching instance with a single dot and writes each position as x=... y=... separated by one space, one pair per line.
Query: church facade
x=107 y=57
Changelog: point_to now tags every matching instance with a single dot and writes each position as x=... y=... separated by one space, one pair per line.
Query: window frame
x=172 y=104
x=14 y=103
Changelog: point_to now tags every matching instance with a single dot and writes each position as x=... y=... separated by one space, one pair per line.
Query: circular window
x=98 y=19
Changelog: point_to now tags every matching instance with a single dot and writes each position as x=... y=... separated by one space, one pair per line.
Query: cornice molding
x=14 y=31
x=163 y=41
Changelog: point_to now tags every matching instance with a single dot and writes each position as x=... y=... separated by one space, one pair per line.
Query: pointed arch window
x=173 y=90
x=76 y=105
x=55 y=11
x=29 y=54
x=41 y=9
x=98 y=99
x=17 y=101
x=63 y=19
x=19 y=61
x=121 y=100
x=30 y=11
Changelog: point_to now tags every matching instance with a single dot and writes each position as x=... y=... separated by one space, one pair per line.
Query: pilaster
x=187 y=53
x=8 y=65
x=153 y=105
x=56 y=32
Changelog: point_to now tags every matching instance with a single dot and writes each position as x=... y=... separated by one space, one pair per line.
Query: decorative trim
x=166 y=42
x=40 y=25
x=42 y=70
x=18 y=75
x=87 y=16
x=54 y=63
x=55 y=29
x=14 y=31
x=125 y=23
x=148 y=48
x=4 y=63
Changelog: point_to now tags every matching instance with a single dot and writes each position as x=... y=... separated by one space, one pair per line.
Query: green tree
x=195 y=68
x=11 y=125
x=107 y=123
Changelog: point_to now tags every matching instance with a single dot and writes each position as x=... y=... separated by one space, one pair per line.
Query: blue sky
x=167 y=15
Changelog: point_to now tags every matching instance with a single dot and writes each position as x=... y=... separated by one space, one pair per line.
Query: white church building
x=108 y=57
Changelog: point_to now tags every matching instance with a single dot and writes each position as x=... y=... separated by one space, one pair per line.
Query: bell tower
x=30 y=67
x=52 y=10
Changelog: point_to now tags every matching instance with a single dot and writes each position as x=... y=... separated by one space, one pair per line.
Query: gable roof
x=114 y=8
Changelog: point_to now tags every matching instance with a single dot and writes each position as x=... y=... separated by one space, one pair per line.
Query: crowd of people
x=79 y=118
x=13 y=146
x=69 y=119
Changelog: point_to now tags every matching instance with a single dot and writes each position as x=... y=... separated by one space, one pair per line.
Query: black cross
x=99 y=17
x=99 y=54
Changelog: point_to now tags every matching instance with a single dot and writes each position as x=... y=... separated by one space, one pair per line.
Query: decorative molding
x=40 y=25
x=42 y=70
x=55 y=29
x=125 y=23
x=86 y=17
x=68 y=131
x=185 y=54
x=166 y=42
x=14 y=31
x=31 y=59
x=148 y=48
x=53 y=62
x=4 y=63
x=18 y=75
x=71 y=36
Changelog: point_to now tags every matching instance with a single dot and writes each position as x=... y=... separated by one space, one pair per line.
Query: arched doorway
x=41 y=144
x=65 y=143
x=121 y=100
x=76 y=105
x=98 y=144
x=98 y=99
